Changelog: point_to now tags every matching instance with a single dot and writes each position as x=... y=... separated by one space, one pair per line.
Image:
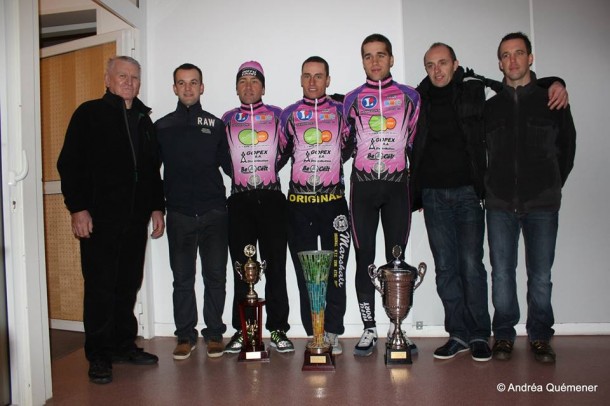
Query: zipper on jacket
x=516 y=162
x=133 y=154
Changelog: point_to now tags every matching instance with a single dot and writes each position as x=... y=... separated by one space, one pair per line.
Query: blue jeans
x=207 y=234
x=455 y=222
x=539 y=234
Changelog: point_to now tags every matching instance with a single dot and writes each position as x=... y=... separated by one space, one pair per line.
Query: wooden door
x=67 y=80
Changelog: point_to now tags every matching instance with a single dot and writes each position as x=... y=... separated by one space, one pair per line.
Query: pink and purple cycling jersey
x=253 y=134
x=314 y=135
x=383 y=118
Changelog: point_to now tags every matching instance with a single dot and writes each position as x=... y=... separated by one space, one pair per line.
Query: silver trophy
x=396 y=281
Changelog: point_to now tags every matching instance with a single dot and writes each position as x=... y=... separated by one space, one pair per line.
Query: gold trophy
x=316 y=265
x=396 y=283
x=251 y=309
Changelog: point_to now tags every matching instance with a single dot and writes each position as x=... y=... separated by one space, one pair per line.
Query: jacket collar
x=375 y=83
x=119 y=103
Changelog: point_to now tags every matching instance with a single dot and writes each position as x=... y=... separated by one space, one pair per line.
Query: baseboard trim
x=67 y=325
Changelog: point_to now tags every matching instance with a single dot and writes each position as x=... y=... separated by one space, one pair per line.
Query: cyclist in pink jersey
x=382 y=115
x=314 y=137
x=257 y=206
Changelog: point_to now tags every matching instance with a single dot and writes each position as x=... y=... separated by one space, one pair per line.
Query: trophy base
x=260 y=354
x=397 y=356
x=314 y=361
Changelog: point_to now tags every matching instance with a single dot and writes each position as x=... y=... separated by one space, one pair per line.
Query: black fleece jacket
x=530 y=150
x=107 y=169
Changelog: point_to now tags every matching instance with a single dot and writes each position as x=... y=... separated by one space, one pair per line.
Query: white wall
x=569 y=41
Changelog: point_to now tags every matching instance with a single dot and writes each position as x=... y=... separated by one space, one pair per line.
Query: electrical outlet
x=419 y=325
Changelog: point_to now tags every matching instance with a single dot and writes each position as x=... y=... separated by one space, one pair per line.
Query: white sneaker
x=367 y=342
x=333 y=339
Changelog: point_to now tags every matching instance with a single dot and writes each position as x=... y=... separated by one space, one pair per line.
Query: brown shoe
x=215 y=347
x=543 y=352
x=502 y=350
x=183 y=349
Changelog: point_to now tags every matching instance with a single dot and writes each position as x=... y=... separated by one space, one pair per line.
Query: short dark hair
x=377 y=38
x=442 y=44
x=188 y=66
x=318 y=59
x=516 y=35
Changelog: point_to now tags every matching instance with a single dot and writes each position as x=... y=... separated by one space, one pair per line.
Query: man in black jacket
x=447 y=180
x=109 y=168
x=193 y=147
x=530 y=153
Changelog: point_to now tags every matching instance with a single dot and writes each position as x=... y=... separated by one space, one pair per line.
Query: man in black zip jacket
x=193 y=148
x=447 y=180
x=530 y=152
x=109 y=168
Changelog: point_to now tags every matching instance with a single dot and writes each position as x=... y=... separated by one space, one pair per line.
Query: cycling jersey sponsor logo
x=340 y=223
x=254 y=180
x=263 y=117
x=325 y=198
x=314 y=136
x=304 y=115
x=326 y=116
x=369 y=102
x=254 y=168
x=379 y=155
x=313 y=180
x=381 y=123
x=241 y=117
x=379 y=167
x=392 y=102
x=250 y=137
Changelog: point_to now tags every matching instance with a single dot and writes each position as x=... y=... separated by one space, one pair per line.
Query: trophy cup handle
x=238 y=269
x=421 y=271
x=373 y=273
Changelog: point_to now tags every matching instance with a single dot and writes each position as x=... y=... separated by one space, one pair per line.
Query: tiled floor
x=199 y=380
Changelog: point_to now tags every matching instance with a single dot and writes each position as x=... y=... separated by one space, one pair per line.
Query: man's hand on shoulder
x=558 y=96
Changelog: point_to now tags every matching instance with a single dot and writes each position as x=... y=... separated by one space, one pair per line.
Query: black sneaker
x=280 y=342
x=135 y=356
x=480 y=350
x=235 y=343
x=451 y=348
x=100 y=372
x=543 y=352
x=502 y=350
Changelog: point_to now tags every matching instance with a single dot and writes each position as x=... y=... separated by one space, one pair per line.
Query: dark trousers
x=368 y=201
x=329 y=221
x=112 y=262
x=455 y=222
x=186 y=235
x=260 y=215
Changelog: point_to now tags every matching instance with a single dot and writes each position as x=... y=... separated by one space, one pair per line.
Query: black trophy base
x=394 y=357
x=323 y=362
x=258 y=354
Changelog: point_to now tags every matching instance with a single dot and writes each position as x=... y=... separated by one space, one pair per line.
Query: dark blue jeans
x=539 y=234
x=207 y=234
x=455 y=222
